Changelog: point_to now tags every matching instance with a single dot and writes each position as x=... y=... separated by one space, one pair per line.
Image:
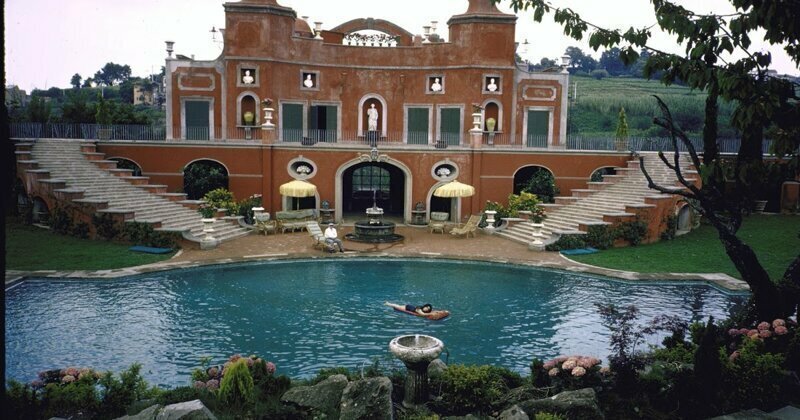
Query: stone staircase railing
x=619 y=198
x=72 y=172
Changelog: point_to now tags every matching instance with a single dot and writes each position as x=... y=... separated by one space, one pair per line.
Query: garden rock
x=148 y=413
x=436 y=368
x=322 y=399
x=367 y=399
x=513 y=413
x=190 y=410
x=578 y=405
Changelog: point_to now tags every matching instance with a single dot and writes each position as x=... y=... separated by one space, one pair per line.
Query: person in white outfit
x=332 y=237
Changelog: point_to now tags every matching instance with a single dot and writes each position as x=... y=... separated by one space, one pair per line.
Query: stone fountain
x=417 y=352
x=374 y=230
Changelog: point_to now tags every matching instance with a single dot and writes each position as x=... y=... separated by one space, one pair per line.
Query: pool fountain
x=374 y=230
x=417 y=352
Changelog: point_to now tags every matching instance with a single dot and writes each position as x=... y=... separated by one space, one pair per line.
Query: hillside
x=595 y=112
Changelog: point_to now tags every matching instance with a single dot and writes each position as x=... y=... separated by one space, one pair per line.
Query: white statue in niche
x=436 y=86
x=492 y=86
x=372 y=118
x=247 y=78
x=309 y=83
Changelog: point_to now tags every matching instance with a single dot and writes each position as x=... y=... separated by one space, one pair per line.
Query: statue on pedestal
x=372 y=118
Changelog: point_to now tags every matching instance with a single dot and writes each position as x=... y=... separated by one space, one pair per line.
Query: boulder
x=578 y=405
x=189 y=410
x=148 y=413
x=513 y=413
x=436 y=368
x=321 y=400
x=367 y=399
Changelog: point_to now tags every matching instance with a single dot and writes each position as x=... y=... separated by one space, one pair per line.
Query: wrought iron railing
x=133 y=132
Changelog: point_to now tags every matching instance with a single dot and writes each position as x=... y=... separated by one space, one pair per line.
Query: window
x=371 y=178
x=292 y=122
x=418 y=128
x=492 y=83
x=450 y=126
x=434 y=84
x=197 y=120
x=322 y=122
x=309 y=80
x=538 y=128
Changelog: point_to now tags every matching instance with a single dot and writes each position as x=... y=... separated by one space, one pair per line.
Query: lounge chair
x=264 y=224
x=318 y=237
x=469 y=228
x=438 y=221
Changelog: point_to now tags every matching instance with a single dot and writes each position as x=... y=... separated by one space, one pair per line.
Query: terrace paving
x=418 y=243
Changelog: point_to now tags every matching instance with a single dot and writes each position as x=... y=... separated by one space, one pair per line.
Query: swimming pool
x=308 y=314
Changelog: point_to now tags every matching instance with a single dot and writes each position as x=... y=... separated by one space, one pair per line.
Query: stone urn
x=416 y=352
x=491 y=123
x=490 y=214
x=208 y=241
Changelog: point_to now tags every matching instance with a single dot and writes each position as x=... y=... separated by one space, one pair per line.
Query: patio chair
x=264 y=224
x=469 y=228
x=438 y=221
x=318 y=237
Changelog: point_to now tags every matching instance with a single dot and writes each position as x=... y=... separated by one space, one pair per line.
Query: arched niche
x=526 y=173
x=366 y=103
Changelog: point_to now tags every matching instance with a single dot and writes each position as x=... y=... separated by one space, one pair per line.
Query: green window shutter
x=538 y=128
x=292 y=122
x=450 y=126
x=331 y=121
x=197 y=122
x=418 y=127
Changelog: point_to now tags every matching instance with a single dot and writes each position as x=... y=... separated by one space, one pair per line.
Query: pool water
x=309 y=314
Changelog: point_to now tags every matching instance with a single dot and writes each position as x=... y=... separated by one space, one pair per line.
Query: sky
x=47 y=41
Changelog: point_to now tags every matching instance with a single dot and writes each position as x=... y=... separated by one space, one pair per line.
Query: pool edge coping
x=721 y=280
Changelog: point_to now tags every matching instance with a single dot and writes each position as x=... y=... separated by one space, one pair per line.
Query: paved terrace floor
x=418 y=243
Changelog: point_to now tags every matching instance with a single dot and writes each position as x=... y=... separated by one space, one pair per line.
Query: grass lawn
x=31 y=248
x=774 y=239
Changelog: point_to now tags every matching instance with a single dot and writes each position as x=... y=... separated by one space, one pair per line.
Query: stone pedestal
x=536 y=244
x=268 y=133
x=416 y=352
x=490 y=221
x=208 y=241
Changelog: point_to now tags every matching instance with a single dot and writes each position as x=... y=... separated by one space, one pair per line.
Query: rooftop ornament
x=170 y=45
x=371 y=40
x=565 y=62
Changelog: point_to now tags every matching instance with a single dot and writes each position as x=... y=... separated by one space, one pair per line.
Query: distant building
x=15 y=95
x=144 y=95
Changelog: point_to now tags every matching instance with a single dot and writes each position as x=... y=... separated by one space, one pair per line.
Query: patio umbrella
x=298 y=189
x=454 y=189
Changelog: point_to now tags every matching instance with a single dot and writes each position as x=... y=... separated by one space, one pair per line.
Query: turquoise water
x=306 y=315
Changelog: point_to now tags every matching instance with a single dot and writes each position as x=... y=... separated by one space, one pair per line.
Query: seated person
x=331 y=237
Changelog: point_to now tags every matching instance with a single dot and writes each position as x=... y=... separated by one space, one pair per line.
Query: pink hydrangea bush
x=572 y=371
x=65 y=376
x=775 y=335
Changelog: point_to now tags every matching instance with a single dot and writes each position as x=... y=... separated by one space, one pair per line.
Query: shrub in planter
x=221 y=198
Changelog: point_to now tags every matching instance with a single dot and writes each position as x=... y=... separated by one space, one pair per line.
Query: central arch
x=393 y=167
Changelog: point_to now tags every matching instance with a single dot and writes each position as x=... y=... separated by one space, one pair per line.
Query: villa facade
x=365 y=106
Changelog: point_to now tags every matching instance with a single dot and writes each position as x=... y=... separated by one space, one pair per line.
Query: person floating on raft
x=424 y=311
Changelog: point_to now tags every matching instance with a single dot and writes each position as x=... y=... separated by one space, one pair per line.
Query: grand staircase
x=100 y=181
x=615 y=197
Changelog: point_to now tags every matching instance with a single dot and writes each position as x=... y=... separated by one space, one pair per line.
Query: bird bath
x=417 y=352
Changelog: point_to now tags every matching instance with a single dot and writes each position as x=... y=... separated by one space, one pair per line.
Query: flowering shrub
x=65 y=376
x=776 y=336
x=210 y=377
x=573 y=372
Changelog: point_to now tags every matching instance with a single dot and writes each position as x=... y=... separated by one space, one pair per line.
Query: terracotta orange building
x=365 y=108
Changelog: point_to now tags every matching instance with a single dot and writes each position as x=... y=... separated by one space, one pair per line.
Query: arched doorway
x=599 y=173
x=123 y=163
x=368 y=182
x=202 y=176
x=537 y=180
x=41 y=213
x=684 y=223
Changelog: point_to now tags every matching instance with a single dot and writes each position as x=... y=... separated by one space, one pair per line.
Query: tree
x=544 y=64
x=76 y=109
x=88 y=82
x=762 y=103
x=38 y=110
x=103 y=114
x=610 y=61
x=112 y=74
x=621 y=135
x=76 y=81
x=580 y=61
